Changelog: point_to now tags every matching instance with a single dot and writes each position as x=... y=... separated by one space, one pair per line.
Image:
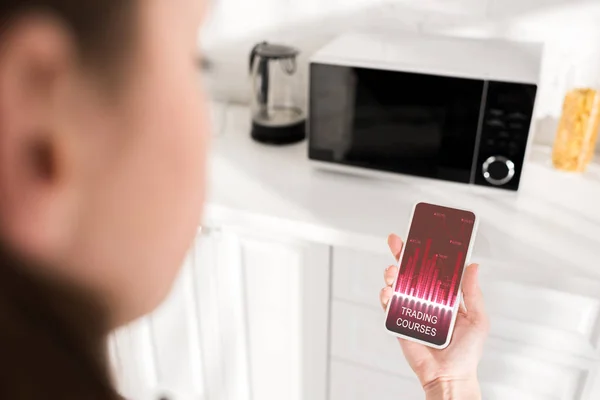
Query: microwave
x=445 y=108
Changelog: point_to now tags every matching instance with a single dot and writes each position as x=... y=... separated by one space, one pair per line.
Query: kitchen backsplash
x=570 y=30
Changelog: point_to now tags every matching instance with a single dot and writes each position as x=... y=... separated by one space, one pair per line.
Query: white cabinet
x=247 y=319
x=254 y=316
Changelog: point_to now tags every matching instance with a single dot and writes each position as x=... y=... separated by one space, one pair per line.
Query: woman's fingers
x=385 y=295
x=389 y=276
x=395 y=244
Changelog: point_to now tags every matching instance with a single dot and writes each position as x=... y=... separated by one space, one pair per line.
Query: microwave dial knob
x=498 y=170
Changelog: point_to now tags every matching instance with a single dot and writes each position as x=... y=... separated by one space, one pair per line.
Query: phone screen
x=426 y=291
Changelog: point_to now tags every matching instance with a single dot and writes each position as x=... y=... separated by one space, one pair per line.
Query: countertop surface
x=553 y=222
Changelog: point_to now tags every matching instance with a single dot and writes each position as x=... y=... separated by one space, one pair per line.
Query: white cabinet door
x=163 y=355
x=285 y=299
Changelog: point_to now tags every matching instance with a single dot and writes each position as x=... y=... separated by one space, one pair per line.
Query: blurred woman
x=102 y=150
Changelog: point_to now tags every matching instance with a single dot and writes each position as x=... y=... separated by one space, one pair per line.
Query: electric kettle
x=277 y=117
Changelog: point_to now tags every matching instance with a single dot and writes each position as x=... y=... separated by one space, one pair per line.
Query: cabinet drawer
x=358 y=337
x=524 y=305
x=351 y=382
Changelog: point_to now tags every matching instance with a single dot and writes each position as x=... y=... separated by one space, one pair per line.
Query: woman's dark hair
x=102 y=29
x=52 y=335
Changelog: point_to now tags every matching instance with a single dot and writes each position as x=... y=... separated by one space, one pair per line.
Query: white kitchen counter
x=553 y=222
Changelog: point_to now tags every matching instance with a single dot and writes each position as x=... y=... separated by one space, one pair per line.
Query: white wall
x=568 y=28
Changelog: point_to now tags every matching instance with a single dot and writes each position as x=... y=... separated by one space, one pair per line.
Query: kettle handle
x=253 y=55
x=261 y=93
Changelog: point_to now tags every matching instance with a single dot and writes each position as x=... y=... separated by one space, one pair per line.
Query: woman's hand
x=450 y=373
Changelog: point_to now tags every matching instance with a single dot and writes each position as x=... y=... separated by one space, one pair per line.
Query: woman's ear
x=37 y=64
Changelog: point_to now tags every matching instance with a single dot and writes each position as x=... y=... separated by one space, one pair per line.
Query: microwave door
x=408 y=134
x=417 y=124
x=400 y=137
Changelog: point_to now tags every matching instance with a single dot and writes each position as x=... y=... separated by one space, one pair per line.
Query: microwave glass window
x=401 y=122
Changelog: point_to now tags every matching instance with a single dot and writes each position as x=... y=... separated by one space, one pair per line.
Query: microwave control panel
x=505 y=128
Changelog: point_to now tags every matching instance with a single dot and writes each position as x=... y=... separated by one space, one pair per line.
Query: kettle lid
x=275 y=51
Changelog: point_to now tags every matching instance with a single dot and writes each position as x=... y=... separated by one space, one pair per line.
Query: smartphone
x=427 y=290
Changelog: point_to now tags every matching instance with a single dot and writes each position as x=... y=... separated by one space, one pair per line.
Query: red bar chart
x=424 y=276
